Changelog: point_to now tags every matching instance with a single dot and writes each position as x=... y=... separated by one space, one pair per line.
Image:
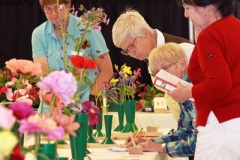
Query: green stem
x=65 y=60
x=37 y=142
x=78 y=47
x=52 y=103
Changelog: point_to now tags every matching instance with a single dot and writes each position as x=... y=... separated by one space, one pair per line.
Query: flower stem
x=79 y=46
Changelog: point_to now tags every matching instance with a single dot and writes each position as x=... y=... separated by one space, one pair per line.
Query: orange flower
x=80 y=62
x=47 y=98
x=24 y=66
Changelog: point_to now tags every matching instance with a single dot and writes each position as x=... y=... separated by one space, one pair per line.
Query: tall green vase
x=108 y=128
x=47 y=151
x=78 y=144
x=98 y=132
x=90 y=138
x=130 y=110
x=120 y=111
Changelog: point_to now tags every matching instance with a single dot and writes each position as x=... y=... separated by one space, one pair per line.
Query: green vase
x=98 y=132
x=78 y=144
x=120 y=111
x=90 y=138
x=62 y=158
x=108 y=128
x=130 y=110
x=47 y=151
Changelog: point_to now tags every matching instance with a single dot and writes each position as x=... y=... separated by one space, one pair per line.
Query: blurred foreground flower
x=23 y=66
x=41 y=124
x=7 y=142
x=21 y=110
x=67 y=122
x=62 y=84
x=7 y=119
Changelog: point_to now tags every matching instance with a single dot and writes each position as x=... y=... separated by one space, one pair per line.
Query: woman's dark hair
x=49 y=2
x=226 y=7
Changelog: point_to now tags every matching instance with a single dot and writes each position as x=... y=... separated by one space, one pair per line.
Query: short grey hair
x=129 y=23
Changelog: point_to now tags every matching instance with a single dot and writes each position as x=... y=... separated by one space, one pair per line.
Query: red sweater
x=214 y=69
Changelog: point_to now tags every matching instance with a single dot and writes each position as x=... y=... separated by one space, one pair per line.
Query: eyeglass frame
x=130 y=47
x=164 y=68
x=50 y=10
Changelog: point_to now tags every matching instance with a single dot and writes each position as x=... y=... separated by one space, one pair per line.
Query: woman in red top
x=214 y=70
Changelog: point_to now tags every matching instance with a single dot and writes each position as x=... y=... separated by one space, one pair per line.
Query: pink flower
x=60 y=83
x=21 y=110
x=67 y=122
x=7 y=119
x=44 y=124
x=98 y=28
x=23 y=66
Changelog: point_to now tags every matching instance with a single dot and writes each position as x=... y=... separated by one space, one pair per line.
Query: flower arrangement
x=90 y=20
x=18 y=116
x=81 y=61
x=124 y=85
x=18 y=81
x=8 y=137
x=147 y=95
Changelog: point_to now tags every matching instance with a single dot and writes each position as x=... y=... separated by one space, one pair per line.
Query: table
x=164 y=121
x=106 y=154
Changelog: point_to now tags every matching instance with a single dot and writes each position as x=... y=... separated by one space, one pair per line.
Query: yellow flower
x=9 y=141
x=127 y=69
x=113 y=81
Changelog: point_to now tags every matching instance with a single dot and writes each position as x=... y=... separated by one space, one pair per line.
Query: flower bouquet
x=58 y=90
x=18 y=81
x=122 y=89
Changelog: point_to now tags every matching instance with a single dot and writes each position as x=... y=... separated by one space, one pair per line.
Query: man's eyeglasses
x=166 y=68
x=131 y=47
x=49 y=10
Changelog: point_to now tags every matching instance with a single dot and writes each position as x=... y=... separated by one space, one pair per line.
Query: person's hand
x=129 y=143
x=150 y=146
x=181 y=93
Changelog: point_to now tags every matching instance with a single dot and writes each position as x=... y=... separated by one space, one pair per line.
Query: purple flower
x=93 y=112
x=21 y=110
x=60 y=83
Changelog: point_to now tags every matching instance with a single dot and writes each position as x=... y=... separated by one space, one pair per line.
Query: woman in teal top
x=47 y=44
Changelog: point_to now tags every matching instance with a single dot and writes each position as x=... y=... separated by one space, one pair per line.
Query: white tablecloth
x=163 y=121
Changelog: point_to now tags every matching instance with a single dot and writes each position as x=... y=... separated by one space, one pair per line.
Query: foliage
x=148 y=95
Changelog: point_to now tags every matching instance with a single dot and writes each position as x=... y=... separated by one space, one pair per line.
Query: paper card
x=159 y=103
